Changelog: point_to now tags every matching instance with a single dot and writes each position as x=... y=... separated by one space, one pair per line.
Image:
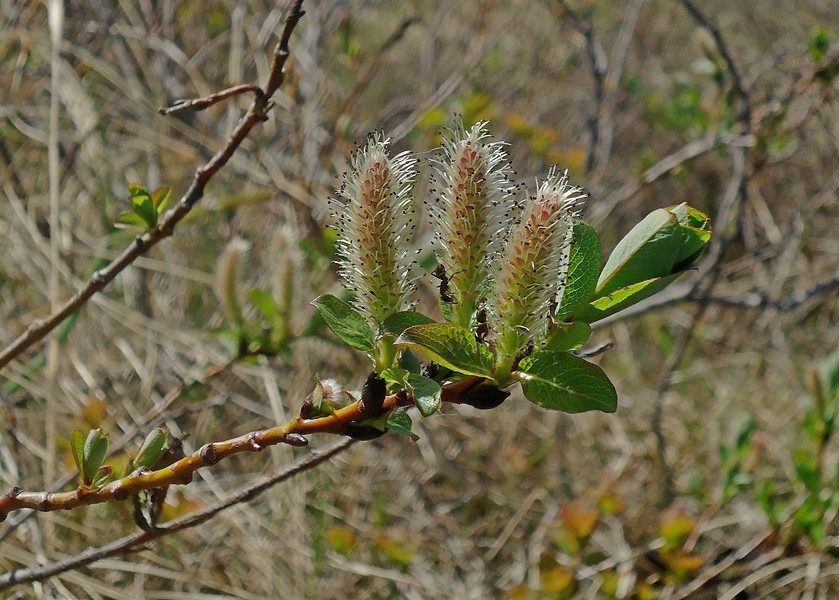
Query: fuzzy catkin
x=471 y=214
x=533 y=266
x=375 y=216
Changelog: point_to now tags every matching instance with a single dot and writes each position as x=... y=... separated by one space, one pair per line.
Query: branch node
x=208 y=454
x=295 y=439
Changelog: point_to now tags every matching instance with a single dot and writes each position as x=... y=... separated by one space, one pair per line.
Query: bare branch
x=736 y=80
x=255 y=114
x=135 y=540
x=197 y=104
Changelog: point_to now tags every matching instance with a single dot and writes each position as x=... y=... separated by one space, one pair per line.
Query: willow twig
x=140 y=538
x=197 y=104
x=39 y=328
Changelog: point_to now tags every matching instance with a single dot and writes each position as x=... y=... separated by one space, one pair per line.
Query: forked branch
x=39 y=328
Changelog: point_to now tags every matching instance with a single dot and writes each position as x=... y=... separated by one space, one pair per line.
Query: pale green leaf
x=561 y=381
x=582 y=271
x=449 y=345
x=347 y=323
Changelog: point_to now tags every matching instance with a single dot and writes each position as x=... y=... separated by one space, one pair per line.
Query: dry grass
x=469 y=511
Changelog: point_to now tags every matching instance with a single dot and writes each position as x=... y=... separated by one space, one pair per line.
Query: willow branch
x=181 y=471
x=135 y=540
x=39 y=328
x=292 y=432
x=154 y=417
x=731 y=67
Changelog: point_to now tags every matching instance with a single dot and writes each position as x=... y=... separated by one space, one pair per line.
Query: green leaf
x=129 y=219
x=160 y=198
x=696 y=233
x=649 y=250
x=582 y=271
x=142 y=205
x=153 y=448
x=265 y=304
x=346 y=322
x=95 y=449
x=427 y=394
x=400 y=422
x=561 y=381
x=396 y=323
x=623 y=298
x=410 y=362
x=102 y=475
x=395 y=376
x=567 y=336
x=450 y=345
x=77 y=449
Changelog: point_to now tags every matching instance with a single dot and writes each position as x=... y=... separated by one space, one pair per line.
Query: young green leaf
x=77 y=448
x=395 y=376
x=265 y=304
x=410 y=362
x=427 y=394
x=130 y=219
x=623 y=298
x=95 y=449
x=649 y=250
x=153 y=448
x=450 y=345
x=346 y=322
x=160 y=198
x=696 y=233
x=564 y=337
x=400 y=422
x=582 y=271
x=561 y=381
x=143 y=205
x=102 y=475
x=396 y=323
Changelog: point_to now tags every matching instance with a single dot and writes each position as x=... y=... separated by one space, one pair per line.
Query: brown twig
x=197 y=104
x=599 y=68
x=39 y=328
x=152 y=418
x=731 y=67
x=140 y=538
x=181 y=471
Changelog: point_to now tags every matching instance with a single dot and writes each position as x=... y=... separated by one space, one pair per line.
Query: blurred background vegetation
x=717 y=477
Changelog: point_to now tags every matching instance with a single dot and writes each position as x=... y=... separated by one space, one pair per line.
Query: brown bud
x=373 y=395
x=485 y=397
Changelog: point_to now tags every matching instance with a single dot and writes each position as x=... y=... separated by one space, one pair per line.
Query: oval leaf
x=567 y=336
x=623 y=298
x=582 y=271
x=649 y=250
x=449 y=345
x=346 y=322
x=561 y=381
x=400 y=422
x=95 y=449
x=396 y=323
x=77 y=449
x=427 y=394
x=153 y=448
x=265 y=304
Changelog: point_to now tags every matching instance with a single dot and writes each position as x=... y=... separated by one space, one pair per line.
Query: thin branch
x=599 y=67
x=180 y=472
x=140 y=538
x=736 y=80
x=197 y=104
x=39 y=328
x=153 y=417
